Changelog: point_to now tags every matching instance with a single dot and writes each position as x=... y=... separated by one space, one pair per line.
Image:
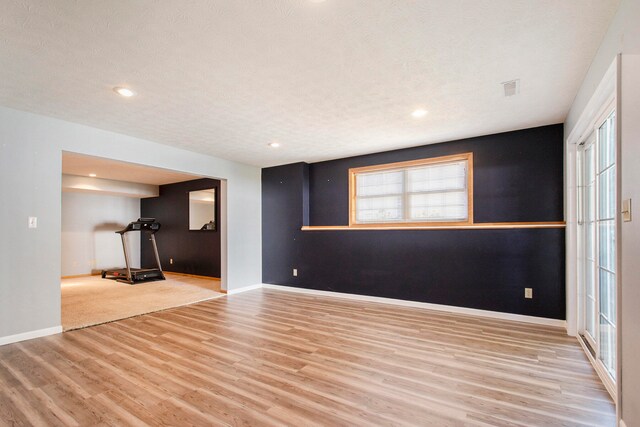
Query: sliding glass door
x=606 y=222
x=597 y=198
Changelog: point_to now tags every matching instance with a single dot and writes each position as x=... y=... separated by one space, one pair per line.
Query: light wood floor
x=92 y=300
x=270 y=357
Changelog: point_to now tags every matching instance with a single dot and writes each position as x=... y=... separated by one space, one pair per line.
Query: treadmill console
x=142 y=224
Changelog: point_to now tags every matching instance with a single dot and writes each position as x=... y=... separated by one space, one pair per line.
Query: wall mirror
x=202 y=210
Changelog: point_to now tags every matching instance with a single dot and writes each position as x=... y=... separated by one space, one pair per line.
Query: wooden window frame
x=468 y=157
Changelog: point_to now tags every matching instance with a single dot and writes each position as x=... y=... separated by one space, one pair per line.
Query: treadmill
x=136 y=275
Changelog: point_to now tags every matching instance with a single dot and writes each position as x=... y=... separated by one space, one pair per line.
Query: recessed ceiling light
x=123 y=91
x=419 y=113
x=274 y=144
x=92 y=175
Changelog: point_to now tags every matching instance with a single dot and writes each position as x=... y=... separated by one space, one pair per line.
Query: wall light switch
x=33 y=222
x=626 y=210
x=295 y=272
x=528 y=293
x=170 y=260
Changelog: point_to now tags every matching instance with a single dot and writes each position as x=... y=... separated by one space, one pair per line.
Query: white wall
x=630 y=239
x=89 y=241
x=623 y=37
x=30 y=180
x=611 y=46
x=108 y=187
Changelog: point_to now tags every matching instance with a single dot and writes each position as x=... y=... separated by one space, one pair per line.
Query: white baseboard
x=244 y=289
x=622 y=424
x=439 y=307
x=30 y=335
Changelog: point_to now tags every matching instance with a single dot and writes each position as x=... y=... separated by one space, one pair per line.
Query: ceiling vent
x=511 y=88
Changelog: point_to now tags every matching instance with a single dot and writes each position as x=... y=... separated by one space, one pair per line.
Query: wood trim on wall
x=475 y=226
x=468 y=157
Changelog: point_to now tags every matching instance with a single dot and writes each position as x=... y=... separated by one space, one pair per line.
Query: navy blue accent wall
x=193 y=252
x=286 y=212
x=518 y=176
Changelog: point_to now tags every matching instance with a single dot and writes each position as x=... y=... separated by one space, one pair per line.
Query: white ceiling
x=81 y=165
x=326 y=80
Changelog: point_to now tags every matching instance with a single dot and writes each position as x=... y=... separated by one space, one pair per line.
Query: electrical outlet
x=295 y=272
x=528 y=293
x=170 y=260
x=33 y=222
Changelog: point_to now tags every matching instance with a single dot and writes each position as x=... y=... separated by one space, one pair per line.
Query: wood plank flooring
x=270 y=357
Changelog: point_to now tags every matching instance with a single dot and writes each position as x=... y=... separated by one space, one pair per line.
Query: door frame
x=606 y=93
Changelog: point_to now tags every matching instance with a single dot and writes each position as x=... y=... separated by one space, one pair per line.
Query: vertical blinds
x=436 y=192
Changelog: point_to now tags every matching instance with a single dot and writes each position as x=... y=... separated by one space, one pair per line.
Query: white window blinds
x=422 y=193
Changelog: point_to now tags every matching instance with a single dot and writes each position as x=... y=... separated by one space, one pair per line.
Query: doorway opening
x=112 y=214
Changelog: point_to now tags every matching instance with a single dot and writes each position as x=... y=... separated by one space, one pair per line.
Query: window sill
x=477 y=226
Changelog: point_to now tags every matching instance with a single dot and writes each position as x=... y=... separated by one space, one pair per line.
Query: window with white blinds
x=422 y=191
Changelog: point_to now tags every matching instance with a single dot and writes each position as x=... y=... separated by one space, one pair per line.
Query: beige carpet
x=88 y=301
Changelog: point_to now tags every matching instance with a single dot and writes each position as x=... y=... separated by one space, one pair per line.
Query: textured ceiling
x=326 y=80
x=81 y=165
